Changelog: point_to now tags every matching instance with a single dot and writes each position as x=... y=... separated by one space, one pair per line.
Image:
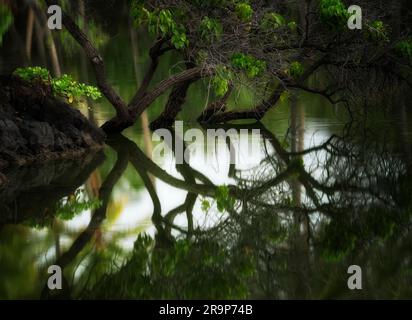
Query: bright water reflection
x=285 y=222
x=295 y=215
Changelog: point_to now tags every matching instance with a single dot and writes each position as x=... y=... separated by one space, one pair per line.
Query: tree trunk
x=174 y=105
x=29 y=32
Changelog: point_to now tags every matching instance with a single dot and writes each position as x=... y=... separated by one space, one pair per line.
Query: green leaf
x=252 y=66
x=377 y=31
x=221 y=80
x=333 y=13
x=205 y=205
x=296 y=69
x=210 y=29
x=74 y=204
x=160 y=22
x=63 y=86
x=33 y=73
x=272 y=20
x=224 y=200
x=244 y=11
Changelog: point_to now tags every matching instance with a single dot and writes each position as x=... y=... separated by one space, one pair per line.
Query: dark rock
x=35 y=126
x=61 y=141
x=10 y=137
x=39 y=135
x=3 y=179
x=22 y=189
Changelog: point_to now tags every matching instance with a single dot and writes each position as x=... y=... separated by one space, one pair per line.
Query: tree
x=271 y=46
x=257 y=249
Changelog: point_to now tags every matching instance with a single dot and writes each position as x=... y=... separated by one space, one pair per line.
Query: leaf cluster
x=64 y=86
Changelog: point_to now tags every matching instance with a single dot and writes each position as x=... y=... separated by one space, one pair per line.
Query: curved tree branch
x=97 y=64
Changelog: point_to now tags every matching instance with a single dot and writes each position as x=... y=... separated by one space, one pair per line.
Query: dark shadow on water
x=32 y=191
x=289 y=230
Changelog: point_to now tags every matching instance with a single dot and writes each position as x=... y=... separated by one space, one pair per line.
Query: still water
x=322 y=193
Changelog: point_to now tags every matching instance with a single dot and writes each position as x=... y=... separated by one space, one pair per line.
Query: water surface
x=320 y=194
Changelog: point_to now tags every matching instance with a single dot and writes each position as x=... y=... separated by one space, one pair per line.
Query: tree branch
x=191 y=74
x=155 y=52
x=97 y=63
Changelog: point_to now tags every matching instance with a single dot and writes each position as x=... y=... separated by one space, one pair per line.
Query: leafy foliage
x=377 y=31
x=67 y=87
x=160 y=22
x=252 y=66
x=285 y=96
x=63 y=86
x=156 y=272
x=205 y=205
x=210 y=29
x=296 y=69
x=220 y=82
x=260 y=38
x=6 y=19
x=224 y=200
x=33 y=73
x=65 y=208
x=293 y=26
x=244 y=11
x=220 y=85
x=74 y=204
x=272 y=20
x=333 y=13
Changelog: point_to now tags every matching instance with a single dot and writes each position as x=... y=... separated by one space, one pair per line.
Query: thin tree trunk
x=127 y=114
x=54 y=56
x=144 y=117
x=29 y=32
x=96 y=60
x=51 y=45
x=173 y=106
x=39 y=34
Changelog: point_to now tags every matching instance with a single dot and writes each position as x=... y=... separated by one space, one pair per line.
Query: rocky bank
x=35 y=126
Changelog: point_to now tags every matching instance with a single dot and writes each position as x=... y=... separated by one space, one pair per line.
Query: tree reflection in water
x=298 y=221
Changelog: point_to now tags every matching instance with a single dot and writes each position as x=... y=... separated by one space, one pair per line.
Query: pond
x=321 y=193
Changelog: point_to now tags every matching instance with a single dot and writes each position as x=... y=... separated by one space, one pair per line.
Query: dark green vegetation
x=294 y=225
x=331 y=186
x=63 y=86
x=270 y=46
x=35 y=126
